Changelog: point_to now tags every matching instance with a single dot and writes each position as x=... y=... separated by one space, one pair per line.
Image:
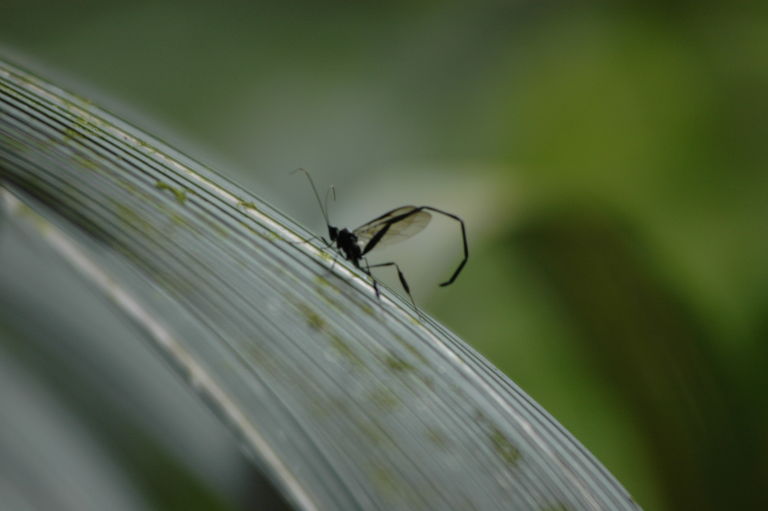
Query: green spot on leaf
x=180 y=194
x=504 y=447
x=397 y=363
x=343 y=348
x=501 y=444
x=314 y=320
x=437 y=437
x=247 y=204
x=384 y=399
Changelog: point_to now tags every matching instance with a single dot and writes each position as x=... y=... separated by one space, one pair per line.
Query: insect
x=393 y=226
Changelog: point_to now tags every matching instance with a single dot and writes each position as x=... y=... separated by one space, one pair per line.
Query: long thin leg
x=400 y=275
x=463 y=239
x=400 y=218
x=367 y=271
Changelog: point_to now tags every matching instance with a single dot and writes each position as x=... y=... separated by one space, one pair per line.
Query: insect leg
x=367 y=270
x=463 y=239
x=400 y=275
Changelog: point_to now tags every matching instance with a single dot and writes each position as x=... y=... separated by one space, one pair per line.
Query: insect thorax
x=347 y=243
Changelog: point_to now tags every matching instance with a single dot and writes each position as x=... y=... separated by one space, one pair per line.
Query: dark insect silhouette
x=391 y=227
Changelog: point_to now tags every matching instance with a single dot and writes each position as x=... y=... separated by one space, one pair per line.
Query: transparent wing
x=403 y=223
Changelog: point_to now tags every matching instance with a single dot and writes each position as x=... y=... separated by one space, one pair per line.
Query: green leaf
x=344 y=400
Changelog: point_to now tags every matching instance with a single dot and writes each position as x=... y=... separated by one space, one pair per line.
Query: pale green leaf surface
x=346 y=401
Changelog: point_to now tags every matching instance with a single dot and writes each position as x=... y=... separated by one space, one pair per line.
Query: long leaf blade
x=346 y=401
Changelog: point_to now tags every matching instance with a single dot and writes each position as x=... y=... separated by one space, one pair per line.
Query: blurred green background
x=608 y=157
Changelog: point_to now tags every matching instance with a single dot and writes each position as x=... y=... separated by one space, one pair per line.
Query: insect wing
x=403 y=223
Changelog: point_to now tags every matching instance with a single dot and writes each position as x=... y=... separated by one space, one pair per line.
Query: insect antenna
x=324 y=210
x=332 y=192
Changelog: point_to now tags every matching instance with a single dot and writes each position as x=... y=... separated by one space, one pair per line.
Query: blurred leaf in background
x=609 y=158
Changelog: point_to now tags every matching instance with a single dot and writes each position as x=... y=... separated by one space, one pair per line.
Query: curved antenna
x=317 y=195
x=463 y=238
x=332 y=192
